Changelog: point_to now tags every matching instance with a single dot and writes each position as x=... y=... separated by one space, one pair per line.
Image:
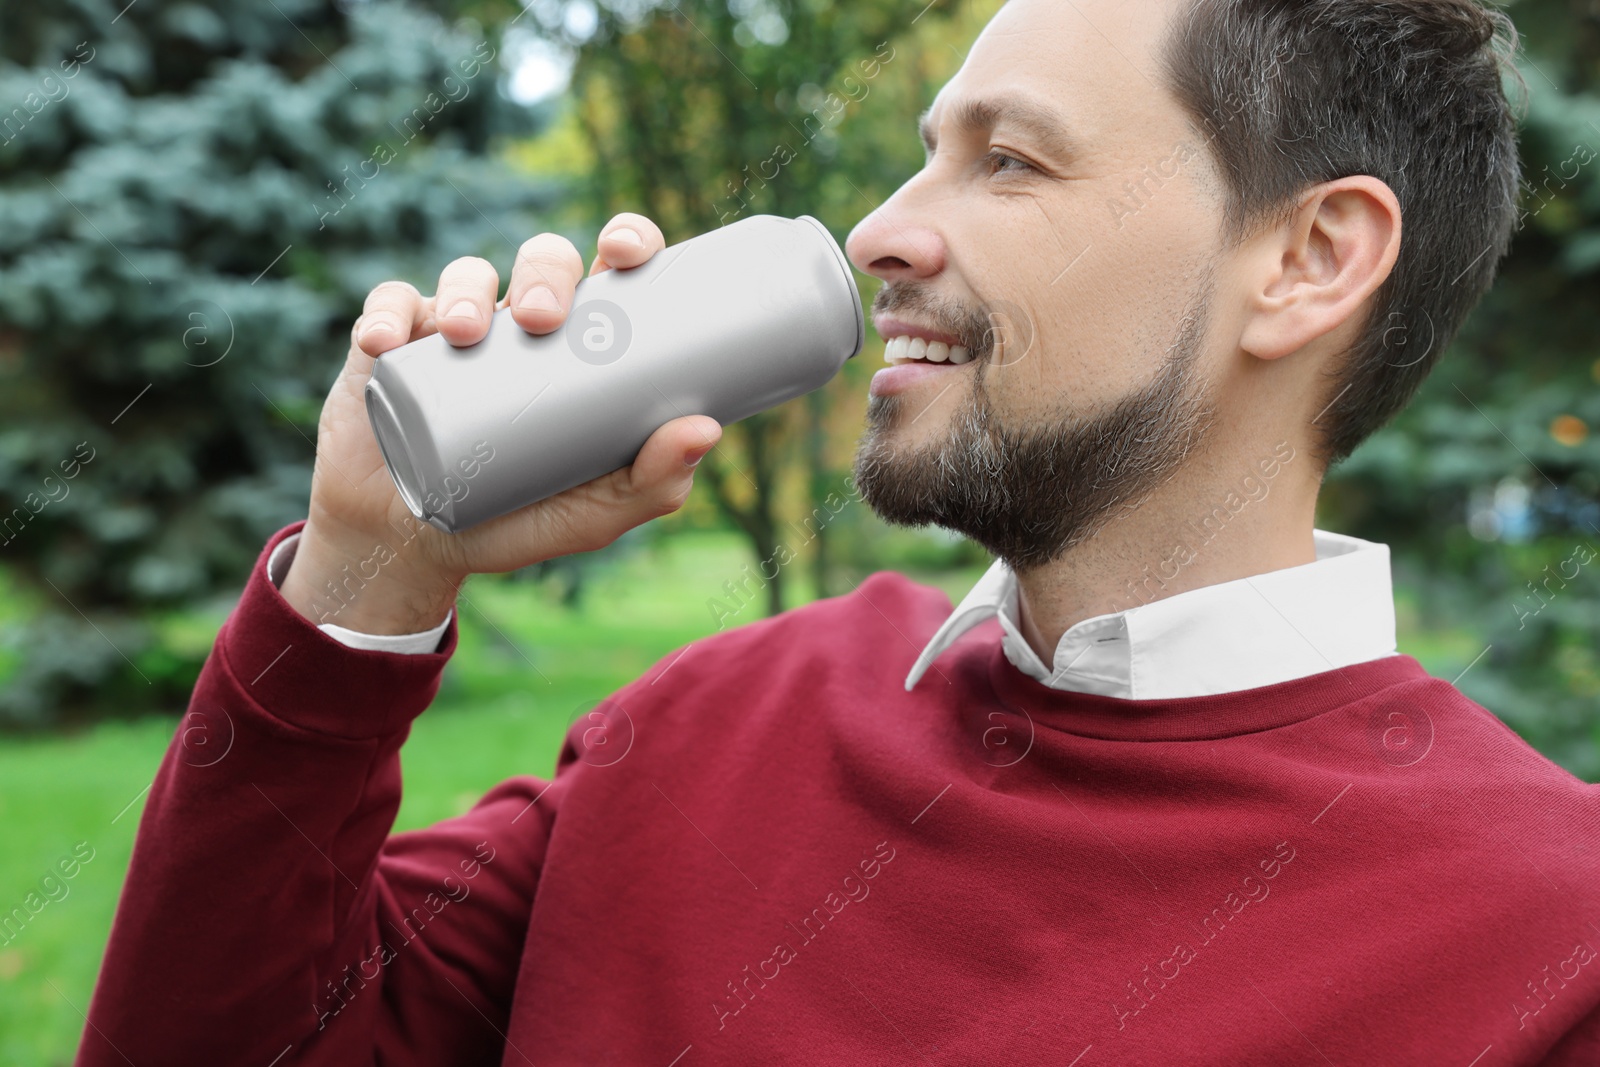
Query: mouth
x=916 y=355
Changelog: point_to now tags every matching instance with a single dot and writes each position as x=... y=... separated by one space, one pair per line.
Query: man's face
x=1077 y=273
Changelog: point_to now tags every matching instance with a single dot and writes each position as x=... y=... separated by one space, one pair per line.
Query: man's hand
x=355 y=508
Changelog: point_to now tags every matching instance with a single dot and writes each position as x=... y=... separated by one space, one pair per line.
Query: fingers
x=465 y=300
x=626 y=241
x=391 y=312
x=547 y=270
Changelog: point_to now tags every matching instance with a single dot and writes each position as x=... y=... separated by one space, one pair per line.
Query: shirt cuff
x=406 y=644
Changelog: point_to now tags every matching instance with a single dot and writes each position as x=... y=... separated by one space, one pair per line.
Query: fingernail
x=628 y=236
x=465 y=311
x=539 y=298
x=693 y=458
x=370 y=328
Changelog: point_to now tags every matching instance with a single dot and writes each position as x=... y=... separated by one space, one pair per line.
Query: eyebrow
x=1036 y=120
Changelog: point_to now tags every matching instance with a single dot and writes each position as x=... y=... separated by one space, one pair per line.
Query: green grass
x=526 y=668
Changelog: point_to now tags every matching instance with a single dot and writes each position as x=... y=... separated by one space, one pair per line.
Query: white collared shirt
x=1241 y=634
x=1250 y=632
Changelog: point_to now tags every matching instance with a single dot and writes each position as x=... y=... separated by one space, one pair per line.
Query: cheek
x=1078 y=356
x=1128 y=307
x=1104 y=294
x=1102 y=303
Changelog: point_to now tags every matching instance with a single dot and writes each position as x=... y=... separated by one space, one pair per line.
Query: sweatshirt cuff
x=405 y=644
x=302 y=675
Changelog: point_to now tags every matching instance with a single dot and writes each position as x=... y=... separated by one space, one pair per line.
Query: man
x=1160 y=790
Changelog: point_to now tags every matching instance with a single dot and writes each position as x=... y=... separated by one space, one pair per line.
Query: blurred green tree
x=698 y=113
x=1486 y=487
x=194 y=198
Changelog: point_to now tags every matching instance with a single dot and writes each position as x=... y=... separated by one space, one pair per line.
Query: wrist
x=367 y=585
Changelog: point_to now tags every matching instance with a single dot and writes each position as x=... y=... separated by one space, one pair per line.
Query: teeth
x=909 y=349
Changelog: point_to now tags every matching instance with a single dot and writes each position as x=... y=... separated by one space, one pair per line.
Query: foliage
x=703 y=112
x=1486 y=487
x=196 y=197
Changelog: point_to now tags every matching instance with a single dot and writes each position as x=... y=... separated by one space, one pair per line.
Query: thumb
x=707 y=432
x=674 y=450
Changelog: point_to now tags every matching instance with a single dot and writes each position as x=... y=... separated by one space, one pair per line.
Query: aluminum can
x=726 y=324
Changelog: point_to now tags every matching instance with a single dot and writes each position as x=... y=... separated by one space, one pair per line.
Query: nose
x=892 y=244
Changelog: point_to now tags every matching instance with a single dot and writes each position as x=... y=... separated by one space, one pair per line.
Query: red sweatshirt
x=766 y=851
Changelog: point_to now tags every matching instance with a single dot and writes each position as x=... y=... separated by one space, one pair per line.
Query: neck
x=1226 y=517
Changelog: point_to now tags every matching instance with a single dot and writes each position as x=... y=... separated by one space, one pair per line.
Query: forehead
x=1095 y=63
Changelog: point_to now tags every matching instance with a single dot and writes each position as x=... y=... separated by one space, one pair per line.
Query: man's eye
x=998 y=162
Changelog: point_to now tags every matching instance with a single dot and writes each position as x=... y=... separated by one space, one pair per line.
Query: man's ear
x=1318 y=269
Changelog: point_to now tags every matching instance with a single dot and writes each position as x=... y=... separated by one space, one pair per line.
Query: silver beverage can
x=725 y=324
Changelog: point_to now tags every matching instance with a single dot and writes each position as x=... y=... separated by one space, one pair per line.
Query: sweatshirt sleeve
x=267 y=908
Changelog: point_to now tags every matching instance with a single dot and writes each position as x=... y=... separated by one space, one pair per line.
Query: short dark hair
x=1293 y=93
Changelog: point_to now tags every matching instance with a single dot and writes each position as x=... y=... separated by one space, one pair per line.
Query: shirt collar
x=1240 y=634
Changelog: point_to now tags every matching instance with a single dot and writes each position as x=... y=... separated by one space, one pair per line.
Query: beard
x=1029 y=490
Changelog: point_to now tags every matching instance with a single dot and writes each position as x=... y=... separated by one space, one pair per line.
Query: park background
x=195 y=196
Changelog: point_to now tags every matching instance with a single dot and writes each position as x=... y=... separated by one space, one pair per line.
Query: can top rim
x=850 y=280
